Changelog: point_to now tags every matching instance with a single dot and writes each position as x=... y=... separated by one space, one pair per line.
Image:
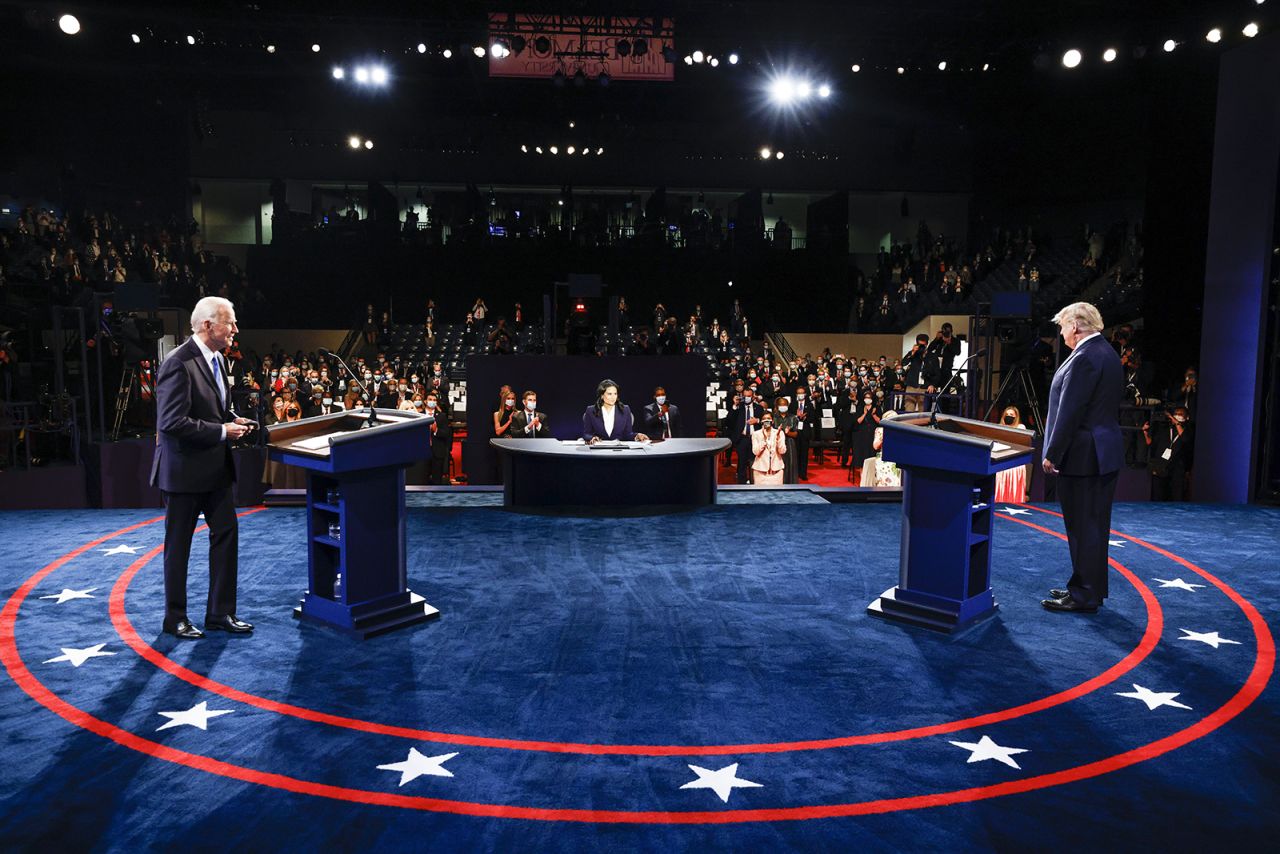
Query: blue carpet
x=582 y=666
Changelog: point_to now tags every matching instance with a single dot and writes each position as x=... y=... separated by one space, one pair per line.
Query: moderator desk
x=551 y=473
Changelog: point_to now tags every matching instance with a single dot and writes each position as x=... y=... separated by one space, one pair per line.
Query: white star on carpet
x=197 y=716
x=416 y=765
x=1178 y=583
x=120 y=550
x=1016 y=511
x=67 y=595
x=722 y=782
x=1117 y=543
x=1213 y=639
x=1153 y=699
x=78 y=657
x=987 y=749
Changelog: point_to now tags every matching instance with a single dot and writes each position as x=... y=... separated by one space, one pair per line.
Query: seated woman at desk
x=609 y=419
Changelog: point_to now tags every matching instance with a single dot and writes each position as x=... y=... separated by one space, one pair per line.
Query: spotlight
x=554 y=150
x=779 y=155
x=570 y=150
x=69 y=24
x=688 y=60
x=698 y=56
x=378 y=74
x=824 y=91
x=733 y=59
x=191 y=40
x=137 y=39
x=901 y=70
x=986 y=66
x=353 y=141
x=368 y=144
x=315 y=48
x=1250 y=30
x=782 y=90
x=803 y=90
x=640 y=47
x=362 y=74
x=518 y=44
x=478 y=51
x=338 y=73
x=1071 y=58
x=524 y=149
x=499 y=50
x=765 y=153
x=599 y=151
x=1170 y=46
x=560 y=202
x=447 y=53
x=1109 y=55
x=942 y=66
x=1214 y=35
x=271 y=48
x=537 y=149
x=586 y=151
x=542 y=44
x=856 y=68
x=422 y=48
x=713 y=62
x=622 y=48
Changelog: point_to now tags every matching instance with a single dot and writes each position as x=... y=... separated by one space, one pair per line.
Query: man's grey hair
x=1080 y=314
x=208 y=309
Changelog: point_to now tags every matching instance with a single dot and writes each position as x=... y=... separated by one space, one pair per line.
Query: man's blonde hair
x=1080 y=314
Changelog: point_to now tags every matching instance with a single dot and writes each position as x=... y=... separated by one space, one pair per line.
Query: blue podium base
x=367 y=619
x=939 y=615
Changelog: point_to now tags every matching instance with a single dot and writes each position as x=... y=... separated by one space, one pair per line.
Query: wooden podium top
x=954 y=441
x=315 y=437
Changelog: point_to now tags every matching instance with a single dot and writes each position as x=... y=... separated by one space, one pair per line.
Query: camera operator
x=1188 y=394
x=1171 y=447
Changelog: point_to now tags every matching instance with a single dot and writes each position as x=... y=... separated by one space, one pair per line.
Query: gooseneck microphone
x=937 y=401
x=373 y=412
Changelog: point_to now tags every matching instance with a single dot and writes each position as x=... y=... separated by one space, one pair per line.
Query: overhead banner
x=541 y=45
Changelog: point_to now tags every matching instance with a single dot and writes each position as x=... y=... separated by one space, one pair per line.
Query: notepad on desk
x=997 y=447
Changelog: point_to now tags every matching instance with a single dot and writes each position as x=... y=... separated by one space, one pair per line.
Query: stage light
x=586 y=151
x=554 y=150
x=824 y=91
x=733 y=59
x=1250 y=30
x=803 y=90
x=353 y=141
x=518 y=45
x=499 y=50
x=713 y=62
x=191 y=40
x=271 y=48
x=986 y=66
x=542 y=44
x=856 y=68
x=639 y=47
x=135 y=38
x=942 y=66
x=1072 y=58
x=378 y=74
x=447 y=53
x=1170 y=46
x=478 y=51
x=422 y=48
x=779 y=155
x=622 y=48
x=1109 y=55
x=570 y=150
x=599 y=151
x=368 y=144
x=688 y=60
x=901 y=70
x=698 y=56
x=362 y=74
x=315 y=48
x=338 y=73
x=782 y=90
x=560 y=203
x=1214 y=36
x=537 y=149
x=69 y=24
x=765 y=153
x=525 y=149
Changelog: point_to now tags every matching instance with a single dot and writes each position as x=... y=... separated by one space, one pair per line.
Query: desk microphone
x=373 y=412
x=937 y=401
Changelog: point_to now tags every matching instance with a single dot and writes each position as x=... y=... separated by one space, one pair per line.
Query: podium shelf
x=326 y=540
x=325 y=506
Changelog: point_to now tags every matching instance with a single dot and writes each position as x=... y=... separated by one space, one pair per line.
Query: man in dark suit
x=529 y=423
x=441 y=440
x=661 y=419
x=1084 y=448
x=194 y=469
x=744 y=419
x=807 y=421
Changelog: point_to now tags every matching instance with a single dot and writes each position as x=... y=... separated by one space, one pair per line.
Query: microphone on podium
x=937 y=401
x=373 y=412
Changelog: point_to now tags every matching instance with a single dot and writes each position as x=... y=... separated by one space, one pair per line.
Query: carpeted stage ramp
x=696 y=681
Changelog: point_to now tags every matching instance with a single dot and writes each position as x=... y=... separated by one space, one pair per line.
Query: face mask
x=848 y=374
x=511 y=402
x=766 y=424
x=1180 y=418
x=404 y=387
x=799 y=397
x=431 y=404
x=415 y=380
x=275 y=374
x=751 y=374
x=783 y=408
x=1009 y=419
x=746 y=398
x=328 y=401
x=867 y=400
x=531 y=405
x=390 y=377
x=661 y=399
x=293 y=386
x=368 y=377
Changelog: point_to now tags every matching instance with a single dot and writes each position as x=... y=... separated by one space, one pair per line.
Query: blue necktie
x=217 y=381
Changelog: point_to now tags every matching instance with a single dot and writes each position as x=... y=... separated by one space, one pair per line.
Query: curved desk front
x=552 y=473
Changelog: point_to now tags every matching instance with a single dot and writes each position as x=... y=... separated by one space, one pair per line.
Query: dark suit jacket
x=191 y=455
x=521 y=420
x=653 y=426
x=1082 y=434
x=623 y=424
x=738 y=419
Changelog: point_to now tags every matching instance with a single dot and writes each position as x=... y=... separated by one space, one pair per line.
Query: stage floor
x=705 y=679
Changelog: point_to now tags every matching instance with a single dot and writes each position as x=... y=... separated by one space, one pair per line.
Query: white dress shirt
x=210 y=357
x=607 y=413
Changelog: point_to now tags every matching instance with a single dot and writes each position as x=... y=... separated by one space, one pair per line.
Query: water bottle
x=337 y=588
x=335 y=530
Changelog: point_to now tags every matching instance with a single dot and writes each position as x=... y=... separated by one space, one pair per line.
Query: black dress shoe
x=185 y=630
x=229 y=623
x=1066 y=603
x=1059 y=593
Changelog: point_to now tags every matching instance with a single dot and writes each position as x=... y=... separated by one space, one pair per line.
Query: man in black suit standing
x=441 y=440
x=195 y=426
x=743 y=421
x=661 y=419
x=529 y=423
x=807 y=422
x=1084 y=448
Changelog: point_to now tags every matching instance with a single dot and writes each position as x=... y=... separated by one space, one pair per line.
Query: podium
x=948 y=486
x=356 y=580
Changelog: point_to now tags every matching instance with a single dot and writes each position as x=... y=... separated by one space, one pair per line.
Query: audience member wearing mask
x=506 y=411
x=529 y=423
x=865 y=425
x=744 y=421
x=785 y=421
x=441 y=440
x=877 y=471
x=1011 y=484
x=662 y=418
x=1170 y=448
x=768 y=451
x=807 y=420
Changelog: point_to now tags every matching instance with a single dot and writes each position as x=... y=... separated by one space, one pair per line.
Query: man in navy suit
x=1084 y=448
x=744 y=419
x=194 y=469
x=662 y=419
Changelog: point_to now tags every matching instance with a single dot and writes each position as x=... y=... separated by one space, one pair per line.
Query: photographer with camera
x=1170 y=447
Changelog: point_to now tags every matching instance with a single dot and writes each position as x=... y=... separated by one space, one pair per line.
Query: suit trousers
x=1086 y=512
x=801 y=446
x=181 y=512
x=745 y=458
